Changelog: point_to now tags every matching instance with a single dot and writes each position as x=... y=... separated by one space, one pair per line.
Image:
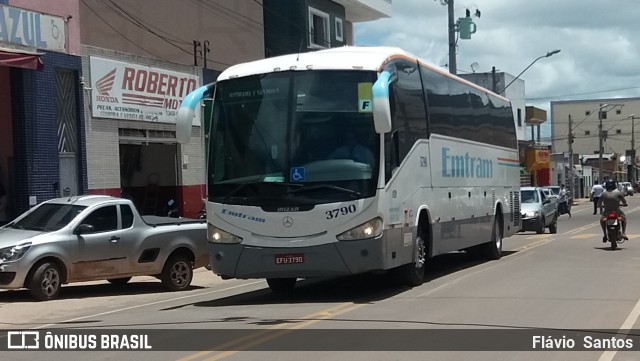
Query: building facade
x=140 y=58
x=42 y=144
x=579 y=121
x=88 y=88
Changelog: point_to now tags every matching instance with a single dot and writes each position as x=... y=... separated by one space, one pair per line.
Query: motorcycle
x=172 y=209
x=614 y=229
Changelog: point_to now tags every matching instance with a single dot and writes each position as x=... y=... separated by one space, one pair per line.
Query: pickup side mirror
x=546 y=201
x=84 y=228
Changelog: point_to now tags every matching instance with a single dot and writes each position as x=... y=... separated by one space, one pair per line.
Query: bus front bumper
x=331 y=259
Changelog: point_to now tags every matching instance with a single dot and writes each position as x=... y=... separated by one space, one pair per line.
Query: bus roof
x=347 y=57
x=371 y=58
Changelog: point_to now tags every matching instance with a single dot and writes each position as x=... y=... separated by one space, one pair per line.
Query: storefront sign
x=135 y=92
x=31 y=29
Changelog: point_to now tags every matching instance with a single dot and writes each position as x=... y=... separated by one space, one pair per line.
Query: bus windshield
x=293 y=137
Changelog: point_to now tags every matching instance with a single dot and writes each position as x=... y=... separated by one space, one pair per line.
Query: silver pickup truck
x=90 y=238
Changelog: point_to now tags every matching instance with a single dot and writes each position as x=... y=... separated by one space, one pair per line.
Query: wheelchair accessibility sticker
x=297 y=174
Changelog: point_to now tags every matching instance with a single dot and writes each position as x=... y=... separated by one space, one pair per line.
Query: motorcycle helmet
x=610 y=185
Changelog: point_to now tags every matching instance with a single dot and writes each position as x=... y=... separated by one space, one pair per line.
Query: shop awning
x=20 y=59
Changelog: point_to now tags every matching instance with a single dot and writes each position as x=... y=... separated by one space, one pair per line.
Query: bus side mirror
x=381 y=105
x=187 y=111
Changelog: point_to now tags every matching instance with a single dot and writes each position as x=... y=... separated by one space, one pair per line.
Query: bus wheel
x=412 y=274
x=281 y=284
x=493 y=248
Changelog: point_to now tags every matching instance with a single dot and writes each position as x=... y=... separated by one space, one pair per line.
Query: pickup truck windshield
x=49 y=217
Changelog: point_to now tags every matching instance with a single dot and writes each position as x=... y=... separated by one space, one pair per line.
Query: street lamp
x=533 y=62
x=601 y=136
x=601 y=146
x=631 y=165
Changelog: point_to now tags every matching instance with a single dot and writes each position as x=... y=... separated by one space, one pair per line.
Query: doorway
x=148 y=175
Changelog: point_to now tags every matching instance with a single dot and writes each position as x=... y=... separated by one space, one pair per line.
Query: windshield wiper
x=241 y=186
x=352 y=193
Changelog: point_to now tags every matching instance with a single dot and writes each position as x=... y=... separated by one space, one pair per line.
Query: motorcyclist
x=611 y=200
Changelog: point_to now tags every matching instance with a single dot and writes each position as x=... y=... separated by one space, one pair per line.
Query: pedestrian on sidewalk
x=596 y=192
x=563 y=201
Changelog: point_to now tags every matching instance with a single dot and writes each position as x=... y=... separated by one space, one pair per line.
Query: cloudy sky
x=599 y=42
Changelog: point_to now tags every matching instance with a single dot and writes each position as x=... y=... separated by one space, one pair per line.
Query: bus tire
x=493 y=249
x=281 y=285
x=412 y=274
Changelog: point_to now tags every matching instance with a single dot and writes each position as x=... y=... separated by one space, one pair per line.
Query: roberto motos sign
x=134 y=92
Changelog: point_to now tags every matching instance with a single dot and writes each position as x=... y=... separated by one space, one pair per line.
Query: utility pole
x=570 y=141
x=601 y=148
x=452 y=39
x=631 y=168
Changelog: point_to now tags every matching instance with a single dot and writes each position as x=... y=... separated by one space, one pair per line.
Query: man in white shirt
x=596 y=192
x=563 y=200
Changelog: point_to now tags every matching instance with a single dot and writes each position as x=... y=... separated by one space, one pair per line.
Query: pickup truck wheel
x=542 y=226
x=553 y=227
x=45 y=282
x=177 y=273
x=119 y=281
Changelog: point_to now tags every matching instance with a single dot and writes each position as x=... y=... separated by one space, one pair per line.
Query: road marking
x=146 y=304
x=623 y=331
x=264 y=335
x=585 y=235
x=498 y=264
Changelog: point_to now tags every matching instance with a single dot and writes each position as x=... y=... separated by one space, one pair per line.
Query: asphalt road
x=544 y=285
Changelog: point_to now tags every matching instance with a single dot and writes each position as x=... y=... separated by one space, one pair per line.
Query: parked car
x=629 y=191
x=554 y=191
x=538 y=210
x=89 y=238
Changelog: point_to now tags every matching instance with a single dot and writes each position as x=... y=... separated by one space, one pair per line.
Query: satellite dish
x=474 y=66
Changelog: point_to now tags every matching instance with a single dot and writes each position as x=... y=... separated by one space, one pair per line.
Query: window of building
x=603 y=115
x=519 y=117
x=587 y=132
x=318 y=29
x=339 y=31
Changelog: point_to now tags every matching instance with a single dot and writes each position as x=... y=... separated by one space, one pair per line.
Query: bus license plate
x=290 y=258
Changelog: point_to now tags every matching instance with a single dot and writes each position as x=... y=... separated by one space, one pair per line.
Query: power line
x=577 y=94
x=116 y=30
x=138 y=22
x=132 y=20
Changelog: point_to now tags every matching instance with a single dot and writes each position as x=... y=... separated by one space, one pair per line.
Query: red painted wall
x=189 y=198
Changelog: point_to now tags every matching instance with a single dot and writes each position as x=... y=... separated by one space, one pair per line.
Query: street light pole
x=533 y=62
x=631 y=168
x=601 y=147
x=452 y=39
x=570 y=141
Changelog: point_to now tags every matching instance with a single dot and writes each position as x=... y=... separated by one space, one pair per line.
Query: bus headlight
x=370 y=229
x=216 y=235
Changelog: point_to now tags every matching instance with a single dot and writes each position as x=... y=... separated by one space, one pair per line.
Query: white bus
x=351 y=160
